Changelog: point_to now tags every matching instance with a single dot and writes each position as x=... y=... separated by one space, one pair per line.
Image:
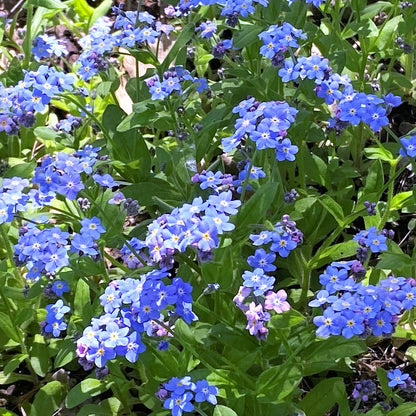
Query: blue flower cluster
x=219 y=181
x=195 y=225
x=85 y=242
x=132 y=30
x=132 y=307
x=257 y=285
x=207 y=29
x=46 y=46
x=352 y=107
x=277 y=39
x=13 y=198
x=371 y=239
x=19 y=103
x=173 y=81
x=316 y=3
x=178 y=393
x=283 y=238
x=351 y=308
x=266 y=125
x=69 y=124
x=54 y=324
x=62 y=174
x=44 y=251
x=232 y=9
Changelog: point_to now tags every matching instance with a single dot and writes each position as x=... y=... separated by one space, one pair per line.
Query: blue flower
x=409 y=146
x=92 y=227
x=397 y=378
x=263 y=260
x=205 y=392
x=59 y=287
x=282 y=244
x=179 y=403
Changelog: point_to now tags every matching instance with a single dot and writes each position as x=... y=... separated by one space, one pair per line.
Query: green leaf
x=378 y=153
x=85 y=11
x=400 y=199
x=13 y=377
x=22 y=170
x=185 y=35
x=255 y=209
x=14 y=363
x=388 y=32
x=39 y=356
x=247 y=35
x=315 y=168
x=405 y=409
x=221 y=410
x=333 y=348
x=47 y=4
x=100 y=11
x=335 y=252
x=214 y=120
x=65 y=354
x=333 y=208
x=395 y=262
x=277 y=382
x=82 y=301
x=47 y=399
x=89 y=387
x=126 y=147
x=144 y=192
x=323 y=396
x=5 y=412
x=8 y=328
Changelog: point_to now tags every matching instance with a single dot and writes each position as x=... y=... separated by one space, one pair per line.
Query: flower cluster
x=266 y=125
x=134 y=29
x=232 y=9
x=351 y=308
x=54 y=324
x=19 y=103
x=69 y=124
x=372 y=240
x=84 y=243
x=13 y=198
x=364 y=390
x=132 y=307
x=195 y=225
x=173 y=81
x=207 y=29
x=217 y=181
x=44 y=251
x=248 y=172
x=283 y=238
x=276 y=40
x=46 y=46
x=62 y=174
x=178 y=393
x=352 y=107
x=257 y=285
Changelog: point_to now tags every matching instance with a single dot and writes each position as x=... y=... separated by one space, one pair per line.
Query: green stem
x=10 y=253
x=27 y=43
x=243 y=192
x=11 y=312
x=200 y=411
x=389 y=197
